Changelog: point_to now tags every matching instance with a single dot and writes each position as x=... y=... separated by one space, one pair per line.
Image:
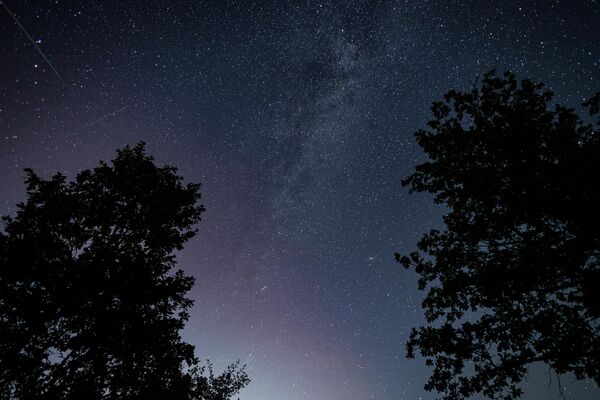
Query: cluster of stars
x=298 y=120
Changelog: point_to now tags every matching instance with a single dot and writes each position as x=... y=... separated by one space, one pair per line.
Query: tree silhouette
x=90 y=304
x=514 y=276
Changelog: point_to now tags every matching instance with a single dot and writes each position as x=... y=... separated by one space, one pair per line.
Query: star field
x=298 y=119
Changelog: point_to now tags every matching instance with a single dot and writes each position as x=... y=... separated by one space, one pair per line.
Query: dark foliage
x=514 y=276
x=90 y=304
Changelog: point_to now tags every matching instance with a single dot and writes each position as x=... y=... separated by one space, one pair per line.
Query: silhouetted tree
x=90 y=304
x=514 y=276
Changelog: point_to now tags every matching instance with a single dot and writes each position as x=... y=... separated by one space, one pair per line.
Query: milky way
x=298 y=119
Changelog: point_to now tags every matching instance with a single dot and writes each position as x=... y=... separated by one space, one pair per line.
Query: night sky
x=298 y=119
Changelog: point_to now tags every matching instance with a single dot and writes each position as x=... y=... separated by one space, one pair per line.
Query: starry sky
x=298 y=119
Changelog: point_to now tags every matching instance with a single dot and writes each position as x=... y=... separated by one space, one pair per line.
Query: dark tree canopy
x=91 y=305
x=514 y=276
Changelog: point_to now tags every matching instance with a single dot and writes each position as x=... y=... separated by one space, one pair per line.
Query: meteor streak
x=102 y=118
x=14 y=17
